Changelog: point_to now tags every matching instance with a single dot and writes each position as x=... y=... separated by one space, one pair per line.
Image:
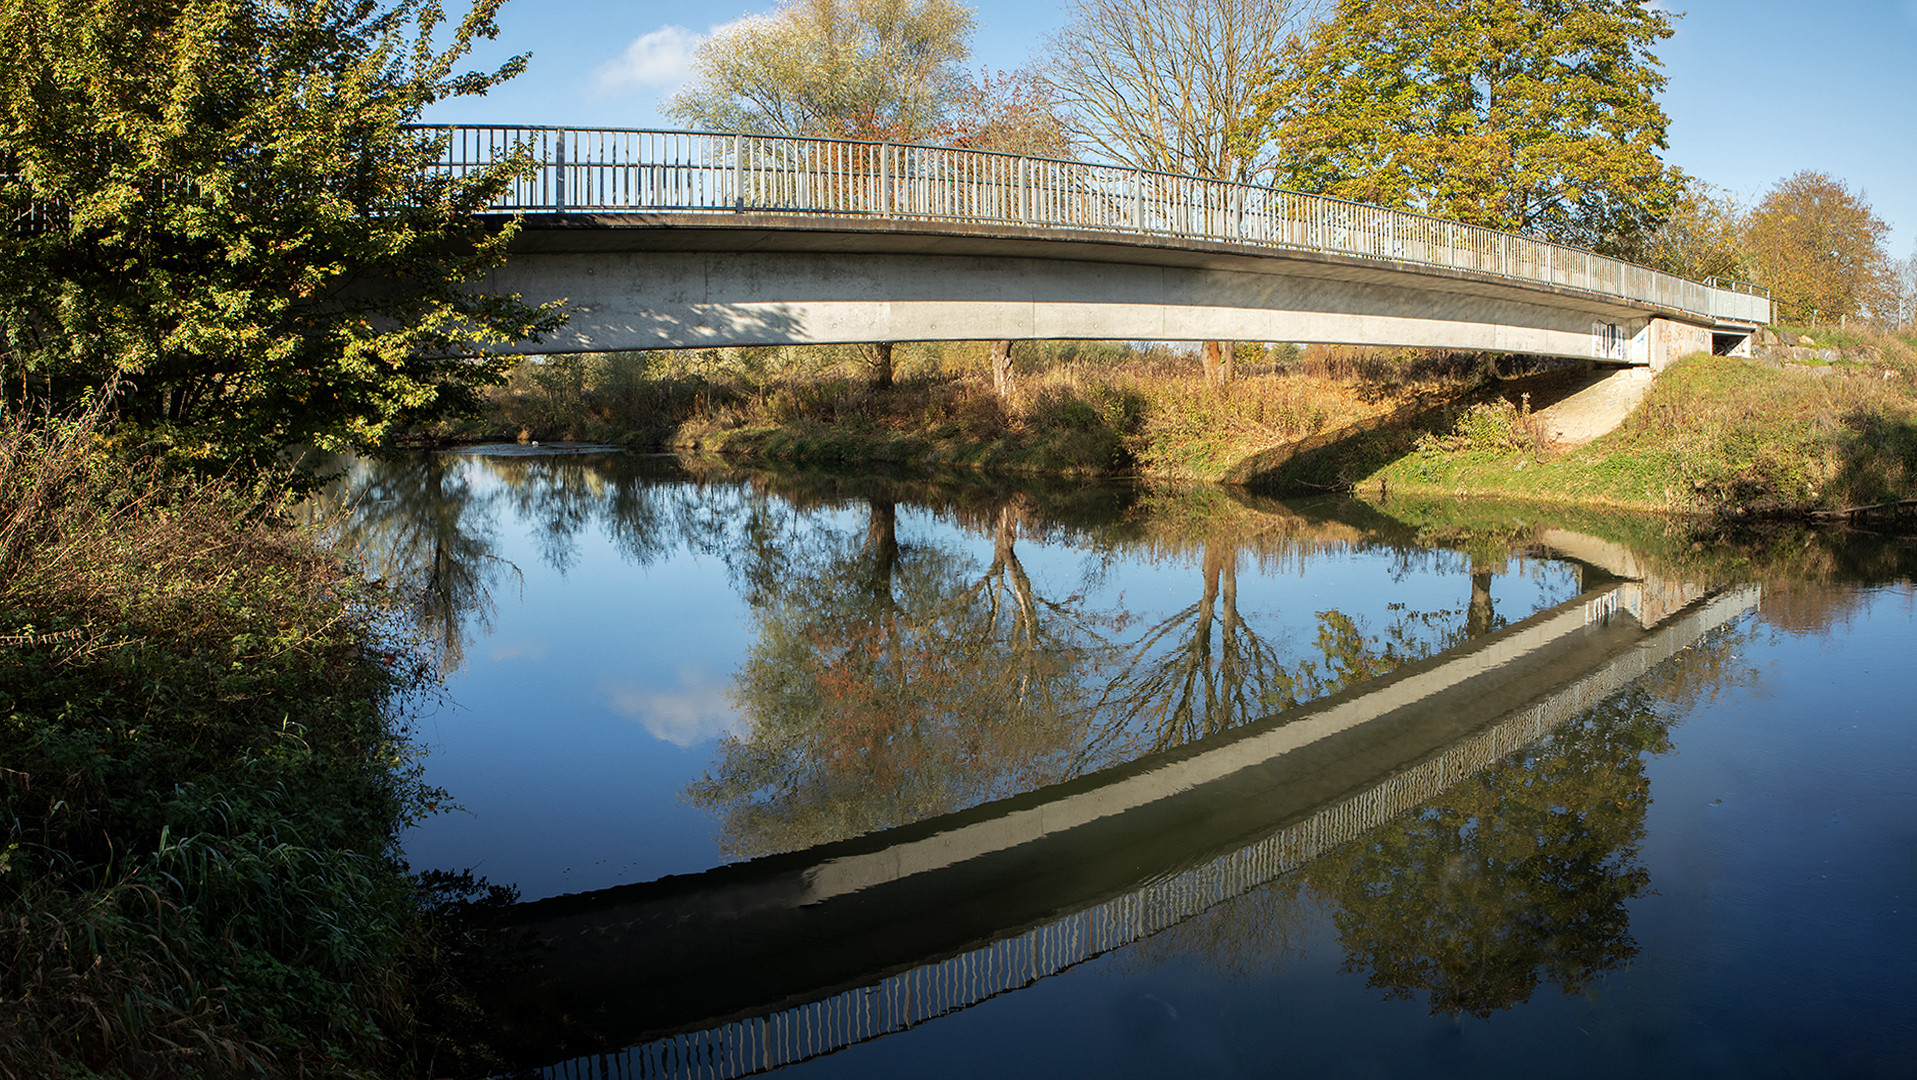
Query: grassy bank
x=202 y=780
x=1075 y=408
x=1717 y=435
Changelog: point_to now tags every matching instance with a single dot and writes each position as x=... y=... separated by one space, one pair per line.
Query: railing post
x=885 y=178
x=738 y=174
x=559 y=170
x=1025 y=190
x=1138 y=200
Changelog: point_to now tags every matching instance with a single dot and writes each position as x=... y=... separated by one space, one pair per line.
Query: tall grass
x=202 y=777
x=1074 y=408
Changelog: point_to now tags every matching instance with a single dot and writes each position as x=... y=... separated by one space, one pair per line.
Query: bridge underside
x=671 y=282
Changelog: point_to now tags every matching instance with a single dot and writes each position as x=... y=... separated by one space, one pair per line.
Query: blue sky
x=1759 y=89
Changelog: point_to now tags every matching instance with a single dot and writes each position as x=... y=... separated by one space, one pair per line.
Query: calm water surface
x=1710 y=869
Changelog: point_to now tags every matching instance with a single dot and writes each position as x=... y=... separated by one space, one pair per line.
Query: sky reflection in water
x=656 y=673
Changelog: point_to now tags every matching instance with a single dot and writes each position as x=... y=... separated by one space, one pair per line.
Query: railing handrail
x=1736 y=285
x=1169 y=195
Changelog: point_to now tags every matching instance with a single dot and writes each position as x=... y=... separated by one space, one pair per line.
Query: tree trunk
x=1002 y=368
x=880 y=365
x=882 y=540
x=1006 y=555
x=1217 y=358
x=1478 y=616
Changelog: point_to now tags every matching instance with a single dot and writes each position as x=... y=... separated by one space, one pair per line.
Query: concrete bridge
x=679 y=240
x=765 y=963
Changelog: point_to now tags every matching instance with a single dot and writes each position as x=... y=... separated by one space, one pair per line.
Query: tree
x=1899 y=308
x=878 y=70
x=1819 y=247
x=221 y=213
x=1536 y=116
x=848 y=69
x=1519 y=876
x=1012 y=112
x=1702 y=236
x=891 y=682
x=1169 y=86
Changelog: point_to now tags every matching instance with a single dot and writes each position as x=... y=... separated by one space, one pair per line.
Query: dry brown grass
x=1073 y=407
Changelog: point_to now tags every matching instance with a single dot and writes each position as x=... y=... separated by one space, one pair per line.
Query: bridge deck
x=629 y=171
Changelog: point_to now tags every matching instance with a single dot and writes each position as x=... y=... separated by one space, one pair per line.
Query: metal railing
x=615 y=170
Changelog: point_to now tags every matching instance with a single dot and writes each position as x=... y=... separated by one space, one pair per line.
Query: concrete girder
x=645 y=286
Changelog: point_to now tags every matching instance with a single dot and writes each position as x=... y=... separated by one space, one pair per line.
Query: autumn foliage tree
x=219 y=210
x=1702 y=235
x=1819 y=247
x=1537 y=116
x=870 y=70
x=848 y=69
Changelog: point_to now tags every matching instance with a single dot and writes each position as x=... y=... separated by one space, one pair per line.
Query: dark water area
x=864 y=775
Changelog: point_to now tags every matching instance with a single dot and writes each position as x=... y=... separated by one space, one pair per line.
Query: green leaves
x=243 y=227
x=857 y=69
x=1535 y=116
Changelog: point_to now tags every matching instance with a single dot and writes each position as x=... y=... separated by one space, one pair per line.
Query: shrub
x=203 y=771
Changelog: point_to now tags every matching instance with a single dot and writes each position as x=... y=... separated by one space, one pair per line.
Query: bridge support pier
x=1661 y=341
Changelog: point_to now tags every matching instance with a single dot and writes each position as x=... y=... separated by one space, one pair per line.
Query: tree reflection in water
x=1518 y=877
x=892 y=683
x=889 y=683
x=418 y=523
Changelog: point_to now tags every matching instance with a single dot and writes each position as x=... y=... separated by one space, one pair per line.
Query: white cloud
x=661 y=59
x=698 y=711
x=503 y=652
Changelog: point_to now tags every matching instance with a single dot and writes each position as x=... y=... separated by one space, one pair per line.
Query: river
x=1508 y=791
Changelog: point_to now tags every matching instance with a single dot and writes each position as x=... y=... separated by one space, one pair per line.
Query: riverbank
x=1723 y=436
x=204 y=768
x=1823 y=428
x=1073 y=410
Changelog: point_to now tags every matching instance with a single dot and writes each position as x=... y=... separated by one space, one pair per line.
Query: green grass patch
x=1715 y=435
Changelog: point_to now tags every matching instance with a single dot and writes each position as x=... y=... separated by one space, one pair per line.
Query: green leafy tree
x=1538 y=116
x=218 y=210
x=1819 y=247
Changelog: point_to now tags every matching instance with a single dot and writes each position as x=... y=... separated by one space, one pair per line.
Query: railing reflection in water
x=926 y=992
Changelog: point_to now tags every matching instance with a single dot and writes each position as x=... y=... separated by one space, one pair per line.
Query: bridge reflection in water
x=762 y=964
